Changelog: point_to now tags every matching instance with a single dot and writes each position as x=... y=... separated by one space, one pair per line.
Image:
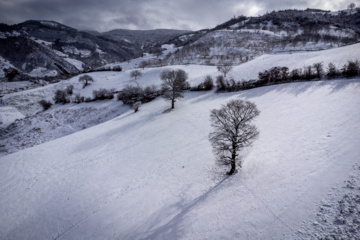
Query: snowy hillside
x=151 y=175
x=243 y=38
x=39 y=128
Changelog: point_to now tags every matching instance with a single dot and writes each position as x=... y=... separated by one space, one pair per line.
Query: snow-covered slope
x=22 y=134
x=151 y=174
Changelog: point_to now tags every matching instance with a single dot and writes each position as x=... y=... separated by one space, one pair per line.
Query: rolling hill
x=151 y=174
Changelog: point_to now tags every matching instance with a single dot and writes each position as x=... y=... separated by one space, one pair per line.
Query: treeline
x=277 y=75
x=135 y=95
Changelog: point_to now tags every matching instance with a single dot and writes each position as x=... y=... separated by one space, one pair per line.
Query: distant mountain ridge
x=47 y=48
x=242 y=38
x=144 y=39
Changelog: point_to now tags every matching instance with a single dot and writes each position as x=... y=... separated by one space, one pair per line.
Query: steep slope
x=151 y=175
x=38 y=48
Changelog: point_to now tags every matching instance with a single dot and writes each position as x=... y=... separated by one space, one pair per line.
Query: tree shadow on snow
x=173 y=229
x=297 y=88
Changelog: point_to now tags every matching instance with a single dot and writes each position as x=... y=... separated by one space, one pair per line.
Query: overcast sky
x=104 y=15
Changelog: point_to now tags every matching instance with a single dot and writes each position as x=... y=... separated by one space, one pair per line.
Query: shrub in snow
x=86 y=79
x=117 y=68
x=61 y=97
x=308 y=73
x=208 y=83
x=173 y=84
x=69 y=89
x=77 y=98
x=136 y=106
x=131 y=94
x=45 y=104
x=150 y=93
x=220 y=83
x=135 y=74
x=10 y=73
x=274 y=75
x=102 y=94
x=232 y=131
x=296 y=74
x=88 y=99
x=351 y=69
x=332 y=71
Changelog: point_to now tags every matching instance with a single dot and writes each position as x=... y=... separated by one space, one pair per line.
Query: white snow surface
x=8 y=115
x=151 y=175
x=42 y=72
x=78 y=64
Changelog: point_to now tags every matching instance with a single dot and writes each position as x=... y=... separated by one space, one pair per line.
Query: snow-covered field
x=152 y=175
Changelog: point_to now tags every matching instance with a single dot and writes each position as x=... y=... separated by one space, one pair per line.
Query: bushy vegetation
x=131 y=94
x=103 y=94
x=61 y=97
x=78 y=98
x=45 y=104
x=10 y=73
x=277 y=75
x=206 y=85
x=69 y=89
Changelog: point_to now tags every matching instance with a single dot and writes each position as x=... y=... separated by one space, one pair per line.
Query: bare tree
x=135 y=74
x=232 y=131
x=332 y=71
x=143 y=64
x=351 y=6
x=224 y=69
x=319 y=69
x=86 y=79
x=173 y=85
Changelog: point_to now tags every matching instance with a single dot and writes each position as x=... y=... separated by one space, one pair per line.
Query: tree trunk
x=233 y=158
x=172 y=103
x=233 y=167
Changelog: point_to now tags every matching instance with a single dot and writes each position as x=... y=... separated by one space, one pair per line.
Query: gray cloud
x=148 y=14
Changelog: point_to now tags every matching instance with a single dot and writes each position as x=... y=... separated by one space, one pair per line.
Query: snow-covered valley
x=152 y=174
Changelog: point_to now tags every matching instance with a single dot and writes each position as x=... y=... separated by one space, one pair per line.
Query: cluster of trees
x=277 y=75
x=103 y=94
x=132 y=94
x=172 y=87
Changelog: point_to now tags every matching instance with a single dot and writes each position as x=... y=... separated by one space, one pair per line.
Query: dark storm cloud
x=147 y=14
